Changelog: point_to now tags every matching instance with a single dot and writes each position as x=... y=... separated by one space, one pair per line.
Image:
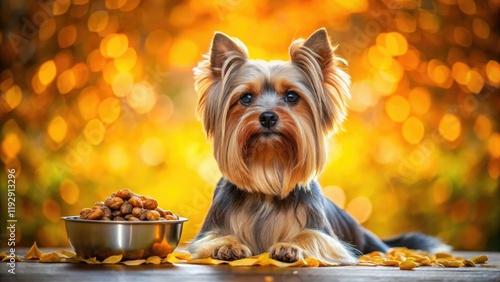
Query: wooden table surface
x=35 y=271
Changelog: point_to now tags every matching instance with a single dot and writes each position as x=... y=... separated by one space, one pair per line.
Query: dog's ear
x=319 y=43
x=223 y=48
x=225 y=55
x=316 y=57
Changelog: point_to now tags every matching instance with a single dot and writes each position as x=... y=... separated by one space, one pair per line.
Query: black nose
x=268 y=119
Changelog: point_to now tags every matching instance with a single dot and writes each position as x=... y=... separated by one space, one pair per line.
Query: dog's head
x=268 y=121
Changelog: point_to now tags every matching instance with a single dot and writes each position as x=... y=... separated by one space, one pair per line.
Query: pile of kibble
x=126 y=205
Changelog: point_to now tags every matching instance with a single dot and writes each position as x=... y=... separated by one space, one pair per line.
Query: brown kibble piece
x=118 y=218
x=84 y=213
x=167 y=212
x=106 y=202
x=99 y=204
x=171 y=217
x=92 y=214
x=143 y=215
x=124 y=194
x=116 y=213
x=135 y=201
x=126 y=208
x=105 y=218
x=149 y=203
x=133 y=218
x=107 y=211
x=152 y=215
x=160 y=211
x=128 y=216
x=115 y=203
x=136 y=211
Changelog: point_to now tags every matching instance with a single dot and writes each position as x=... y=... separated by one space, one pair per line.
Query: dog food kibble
x=126 y=205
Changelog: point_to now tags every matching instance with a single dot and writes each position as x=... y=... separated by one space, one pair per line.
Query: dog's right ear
x=224 y=49
x=225 y=55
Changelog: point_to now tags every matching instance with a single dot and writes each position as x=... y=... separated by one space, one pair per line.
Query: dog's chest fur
x=260 y=221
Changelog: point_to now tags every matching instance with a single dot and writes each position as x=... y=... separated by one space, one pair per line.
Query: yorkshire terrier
x=269 y=122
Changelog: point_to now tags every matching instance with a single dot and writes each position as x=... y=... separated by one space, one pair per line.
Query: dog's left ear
x=316 y=57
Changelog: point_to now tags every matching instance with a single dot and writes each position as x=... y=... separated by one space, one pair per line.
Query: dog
x=269 y=123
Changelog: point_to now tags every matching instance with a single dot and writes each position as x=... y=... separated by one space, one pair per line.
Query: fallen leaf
x=182 y=256
x=67 y=254
x=89 y=261
x=7 y=258
x=33 y=253
x=244 y=262
x=50 y=257
x=207 y=261
x=134 y=262
x=480 y=259
x=153 y=260
x=113 y=259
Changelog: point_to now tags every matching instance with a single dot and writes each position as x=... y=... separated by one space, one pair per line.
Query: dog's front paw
x=232 y=251
x=286 y=252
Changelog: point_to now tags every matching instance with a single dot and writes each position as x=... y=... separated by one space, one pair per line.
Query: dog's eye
x=246 y=99
x=291 y=97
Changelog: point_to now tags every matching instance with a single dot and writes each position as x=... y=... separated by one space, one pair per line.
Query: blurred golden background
x=98 y=95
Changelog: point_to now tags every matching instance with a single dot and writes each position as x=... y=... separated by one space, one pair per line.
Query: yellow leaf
x=134 y=262
x=244 y=262
x=264 y=259
x=480 y=259
x=182 y=256
x=7 y=258
x=407 y=265
x=366 y=263
x=113 y=259
x=3 y=255
x=34 y=253
x=67 y=254
x=314 y=262
x=207 y=261
x=171 y=258
x=89 y=261
x=50 y=257
x=153 y=260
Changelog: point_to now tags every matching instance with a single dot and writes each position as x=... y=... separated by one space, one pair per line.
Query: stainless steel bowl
x=132 y=239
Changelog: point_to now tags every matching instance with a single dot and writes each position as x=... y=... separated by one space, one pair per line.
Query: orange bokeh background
x=98 y=95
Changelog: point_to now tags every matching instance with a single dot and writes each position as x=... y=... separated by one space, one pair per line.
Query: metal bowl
x=132 y=239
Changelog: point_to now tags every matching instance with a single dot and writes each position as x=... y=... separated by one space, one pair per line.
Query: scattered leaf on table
x=314 y=262
x=408 y=265
x=7 y=258
x=443 y=255
x=89 y=261
x=50 y=257
x=171 y=258
x=207 y=261
x=67 y=254
x=153 y=260
x=244 y=262
x=134 y=262
x=182 y=256
x=33 y=253
x=480 y=259
x=366 y=263
x=113 y=259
